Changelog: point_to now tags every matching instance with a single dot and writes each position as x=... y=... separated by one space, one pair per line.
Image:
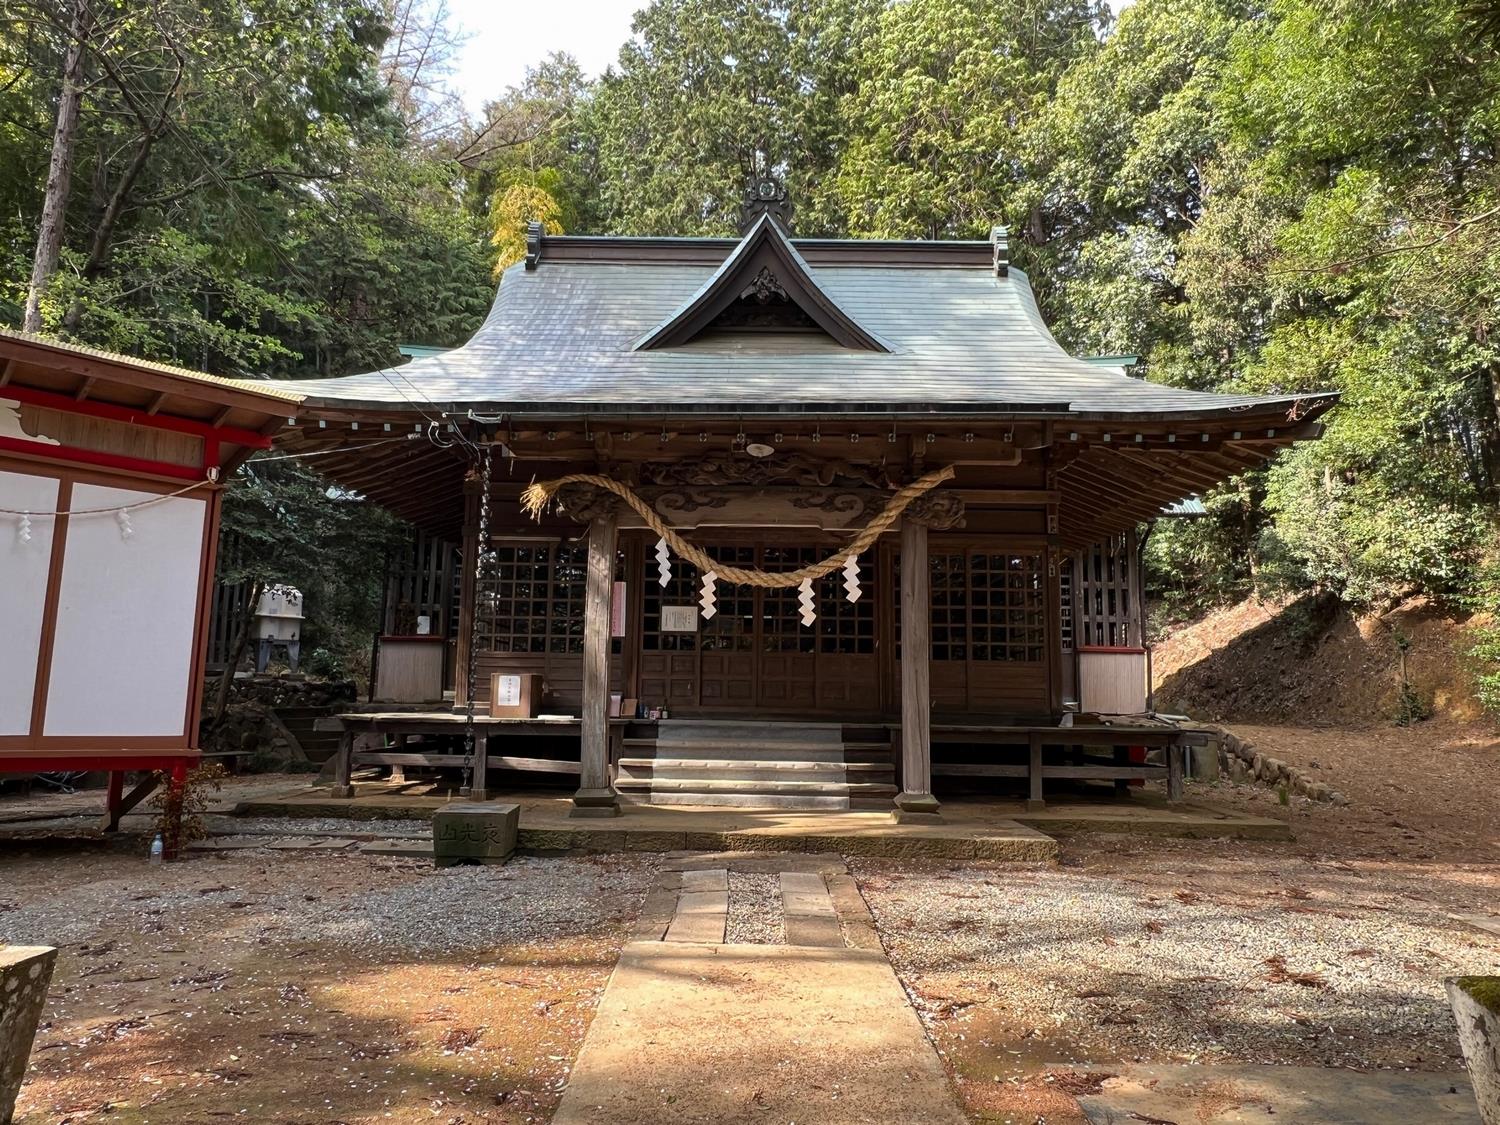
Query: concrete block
x=25 y=973
x=478 y=833
x=1205 y=763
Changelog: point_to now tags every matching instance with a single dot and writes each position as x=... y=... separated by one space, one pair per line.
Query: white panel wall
x=122 y=658
x=23 y=589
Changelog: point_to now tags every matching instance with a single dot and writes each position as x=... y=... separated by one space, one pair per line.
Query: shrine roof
x=648 y=327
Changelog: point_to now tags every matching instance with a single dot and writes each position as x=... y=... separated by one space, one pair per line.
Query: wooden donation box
x=515 y=695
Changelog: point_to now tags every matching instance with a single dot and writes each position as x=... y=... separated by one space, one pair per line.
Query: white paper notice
x=508 y=691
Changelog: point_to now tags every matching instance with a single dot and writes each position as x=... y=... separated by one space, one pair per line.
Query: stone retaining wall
x=1243 y=764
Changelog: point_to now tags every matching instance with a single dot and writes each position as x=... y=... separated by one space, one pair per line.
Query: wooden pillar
x=479 y=779
x=343 y=766
x=596 y=796
x=112 y=798
x=915 y=802
x=1035 y=801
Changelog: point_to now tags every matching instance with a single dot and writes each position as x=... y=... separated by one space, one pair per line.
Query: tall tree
x=708 y=92
x=946 y=90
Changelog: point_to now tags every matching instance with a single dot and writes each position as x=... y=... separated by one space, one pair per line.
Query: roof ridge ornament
x=765 y=194
x=533 y=243
x=1000 y=241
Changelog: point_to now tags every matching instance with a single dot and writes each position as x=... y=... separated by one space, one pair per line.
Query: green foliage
x=1484 y=632
x=283 y=525
x=943 y=89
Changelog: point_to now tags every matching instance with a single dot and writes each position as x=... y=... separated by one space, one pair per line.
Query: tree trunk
x=104 y=228
x=49 y=236
x=236 y=652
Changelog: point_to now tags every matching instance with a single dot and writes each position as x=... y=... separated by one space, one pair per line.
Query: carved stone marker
x=25 y=973
x=479 y=833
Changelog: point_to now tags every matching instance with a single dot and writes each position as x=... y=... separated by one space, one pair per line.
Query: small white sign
x=507 y=691
x=679 y=619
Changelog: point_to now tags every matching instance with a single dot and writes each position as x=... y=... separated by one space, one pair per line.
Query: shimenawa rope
x=538 y=495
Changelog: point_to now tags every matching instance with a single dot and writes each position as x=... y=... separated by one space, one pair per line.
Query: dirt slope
x=1313 y=662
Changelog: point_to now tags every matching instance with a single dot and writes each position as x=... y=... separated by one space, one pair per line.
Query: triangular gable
x=764 y=268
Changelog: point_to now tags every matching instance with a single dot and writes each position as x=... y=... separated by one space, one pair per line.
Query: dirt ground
x=1328 y=952
x=287 y=987
x=1316 y=660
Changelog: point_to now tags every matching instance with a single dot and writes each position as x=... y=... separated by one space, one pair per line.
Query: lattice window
x=531 y=599
x=682 y=590
x=986 y=605
x=950 y=606
x=845 y=627
x=732 y=628
x=1007 y=619
x=1065 y=586
x=781 y=610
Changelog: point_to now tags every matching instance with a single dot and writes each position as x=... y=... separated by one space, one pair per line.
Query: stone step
x=675 y=731
x=655 y=785
x=802 y=801
x=638 y=770
x=746 y=750
x=777 y=766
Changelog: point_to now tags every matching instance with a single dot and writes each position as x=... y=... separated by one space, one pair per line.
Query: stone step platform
x=740 y=769
x=736 y=763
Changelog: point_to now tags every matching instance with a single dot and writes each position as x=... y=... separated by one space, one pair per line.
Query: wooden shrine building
x=765 y=400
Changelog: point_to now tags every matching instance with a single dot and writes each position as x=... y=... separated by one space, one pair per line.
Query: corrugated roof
x=560 y=338
x=276 y=389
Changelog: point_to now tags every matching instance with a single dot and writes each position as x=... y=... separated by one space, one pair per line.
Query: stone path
x=816 y=1031
x=1279 y=1095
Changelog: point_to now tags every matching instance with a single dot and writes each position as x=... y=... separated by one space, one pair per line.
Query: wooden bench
x=399 y=726
x=1115 y=737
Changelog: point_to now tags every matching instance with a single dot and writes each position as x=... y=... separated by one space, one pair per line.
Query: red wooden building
x=110 y=476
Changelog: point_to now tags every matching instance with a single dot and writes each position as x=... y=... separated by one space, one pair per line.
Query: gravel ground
x=313 y=826
x=414 y=908
x=305 y=988
x=755 y=914
x=1299 y=963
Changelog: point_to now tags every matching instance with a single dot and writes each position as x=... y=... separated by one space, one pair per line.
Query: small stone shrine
x=477 y=833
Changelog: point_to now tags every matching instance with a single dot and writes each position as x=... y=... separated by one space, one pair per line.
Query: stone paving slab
x=706 y=879
x=692 y=1034
x=1280 y=1095
x=310 y=844
x=804 y=894
x=811 y=930
x=1489 y=923
x=758 y=862
x=702 y=929
x=699 y=916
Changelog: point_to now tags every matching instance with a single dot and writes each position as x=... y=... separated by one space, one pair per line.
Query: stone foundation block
x=479 y=833
x=25 y=973
x=1476 y=1009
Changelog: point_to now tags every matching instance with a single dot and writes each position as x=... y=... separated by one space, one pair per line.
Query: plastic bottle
x=157 y=849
